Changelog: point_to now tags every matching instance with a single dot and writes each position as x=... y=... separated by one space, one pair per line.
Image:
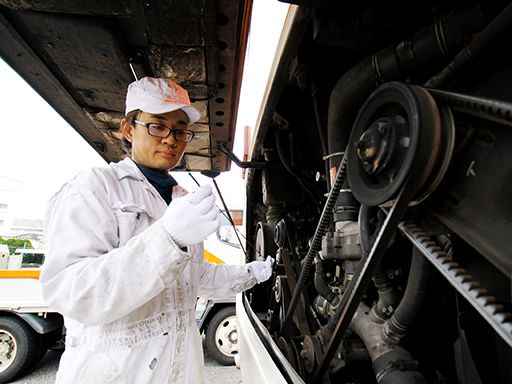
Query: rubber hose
x=414 y=296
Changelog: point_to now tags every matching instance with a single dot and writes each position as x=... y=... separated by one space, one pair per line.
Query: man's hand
x=261 y=270
x=191 y=218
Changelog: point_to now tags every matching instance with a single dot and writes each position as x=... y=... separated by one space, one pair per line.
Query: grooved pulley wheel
x=396 y=135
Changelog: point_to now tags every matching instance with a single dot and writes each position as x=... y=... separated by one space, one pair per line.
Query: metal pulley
x=392 y=153
x=264 y=242
x=396 y=125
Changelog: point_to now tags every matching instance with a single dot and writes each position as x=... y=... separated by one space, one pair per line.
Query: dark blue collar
x=161 y=180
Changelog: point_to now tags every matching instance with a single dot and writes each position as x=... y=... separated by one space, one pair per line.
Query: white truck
x=28 y=328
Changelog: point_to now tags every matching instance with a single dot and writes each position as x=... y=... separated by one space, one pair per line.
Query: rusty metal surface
x=77 y=55
x=94 y=7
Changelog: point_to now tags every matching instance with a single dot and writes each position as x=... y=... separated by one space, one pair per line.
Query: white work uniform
x=126 y=290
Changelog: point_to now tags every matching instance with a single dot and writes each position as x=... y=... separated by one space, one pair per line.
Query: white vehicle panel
x=21 y=293
x=256 y=363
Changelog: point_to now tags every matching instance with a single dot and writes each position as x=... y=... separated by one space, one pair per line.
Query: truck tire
x=222 y=336
x=19 y=344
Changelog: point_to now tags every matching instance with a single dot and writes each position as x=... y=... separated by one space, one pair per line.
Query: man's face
x=155 y=152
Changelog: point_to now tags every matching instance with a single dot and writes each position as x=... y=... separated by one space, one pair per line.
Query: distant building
x=29 y=229
x=9 y=189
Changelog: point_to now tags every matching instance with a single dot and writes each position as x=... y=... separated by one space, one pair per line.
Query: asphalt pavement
x=45 y=371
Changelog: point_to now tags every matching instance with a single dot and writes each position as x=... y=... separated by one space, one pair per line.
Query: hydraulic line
x=320 y=284
x=381 y=280
x=497 y=28
x=414 y=296
x=316 y=244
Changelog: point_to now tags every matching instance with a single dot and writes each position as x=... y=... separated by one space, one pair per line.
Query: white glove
x=261 y=270
x=191 y=218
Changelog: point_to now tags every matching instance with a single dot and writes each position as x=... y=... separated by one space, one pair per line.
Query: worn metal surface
x=480 y=163
x=80 y=56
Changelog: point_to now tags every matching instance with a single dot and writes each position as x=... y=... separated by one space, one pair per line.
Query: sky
x=39 y=149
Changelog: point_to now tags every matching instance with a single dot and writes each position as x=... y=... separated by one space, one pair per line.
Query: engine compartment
x=385 y=195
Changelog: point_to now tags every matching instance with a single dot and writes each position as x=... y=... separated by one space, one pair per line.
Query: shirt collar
x=127 y=168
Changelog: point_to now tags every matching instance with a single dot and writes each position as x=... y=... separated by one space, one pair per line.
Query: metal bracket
x=237 y=161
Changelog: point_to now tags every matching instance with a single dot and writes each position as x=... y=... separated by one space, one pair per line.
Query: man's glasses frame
x=161 y=131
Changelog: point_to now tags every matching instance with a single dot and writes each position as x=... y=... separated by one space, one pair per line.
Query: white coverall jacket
x=126 y=290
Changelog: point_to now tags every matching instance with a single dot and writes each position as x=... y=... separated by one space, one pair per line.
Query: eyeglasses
x=161 y=131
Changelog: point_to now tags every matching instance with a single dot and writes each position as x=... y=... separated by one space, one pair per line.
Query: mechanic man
x=124 y=261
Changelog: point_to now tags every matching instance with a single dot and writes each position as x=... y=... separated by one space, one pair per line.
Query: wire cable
x=229 y=215
x=237 y=231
